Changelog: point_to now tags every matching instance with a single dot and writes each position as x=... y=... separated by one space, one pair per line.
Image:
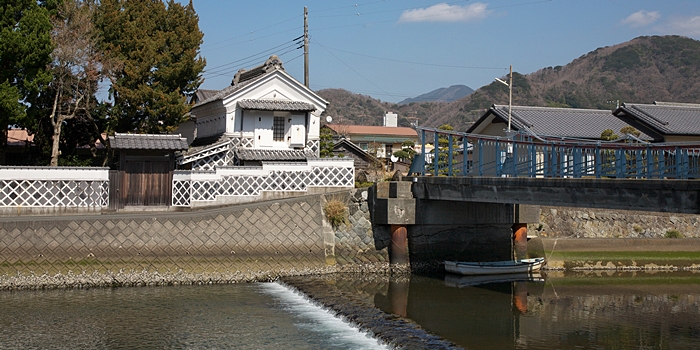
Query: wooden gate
x=147 y=182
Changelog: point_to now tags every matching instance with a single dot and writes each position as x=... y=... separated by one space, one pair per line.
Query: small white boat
x=494 y=267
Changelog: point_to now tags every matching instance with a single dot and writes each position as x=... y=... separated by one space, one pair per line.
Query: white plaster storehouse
x=256 y=139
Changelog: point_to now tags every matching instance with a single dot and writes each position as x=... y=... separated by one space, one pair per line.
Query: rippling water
x=243 y=316
x=561 y=311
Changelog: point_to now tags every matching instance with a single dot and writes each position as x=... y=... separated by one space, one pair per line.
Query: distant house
x=264 y=115
x=549 y=122
x=363 y=160
x=663 y=121
x=380 y=141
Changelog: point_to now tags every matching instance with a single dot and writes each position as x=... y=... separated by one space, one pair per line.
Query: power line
x=249 y=59
x=352 y=69
x=417 y=63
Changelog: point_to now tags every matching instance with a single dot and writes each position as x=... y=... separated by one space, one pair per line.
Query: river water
x=561 y=311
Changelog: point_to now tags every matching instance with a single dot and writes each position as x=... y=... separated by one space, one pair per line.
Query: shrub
x=637 y=228
x=336 y=212
x=359 y=184
x=673 y=234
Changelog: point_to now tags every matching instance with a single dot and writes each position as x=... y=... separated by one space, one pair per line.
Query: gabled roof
x=558 y=122
x=349 y=146
x=372 y=130
x=244 y=78
x=148 y=142
x=276 y=105
x=666 y=118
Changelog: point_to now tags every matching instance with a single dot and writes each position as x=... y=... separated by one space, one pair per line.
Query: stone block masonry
x=561 y=222
x=244 y=242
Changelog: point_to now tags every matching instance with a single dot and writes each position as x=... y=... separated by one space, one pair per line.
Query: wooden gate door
x=147 y=182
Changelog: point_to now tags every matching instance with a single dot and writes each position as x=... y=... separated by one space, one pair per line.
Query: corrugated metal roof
x=664 y=117
x=276 y=105
x=372 y=130
x=560 y=122
x=273 y=154
x=148 y=142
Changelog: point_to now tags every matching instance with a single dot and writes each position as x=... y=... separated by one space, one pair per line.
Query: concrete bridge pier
x=425 y=231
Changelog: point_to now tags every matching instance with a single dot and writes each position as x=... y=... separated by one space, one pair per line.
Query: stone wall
x=243 y=242
x=357 y=241
x=560 y=222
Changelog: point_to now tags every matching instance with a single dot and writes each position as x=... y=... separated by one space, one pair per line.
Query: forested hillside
x=643 y=70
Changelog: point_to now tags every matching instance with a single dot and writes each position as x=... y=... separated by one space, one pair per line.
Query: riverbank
x=617 y=253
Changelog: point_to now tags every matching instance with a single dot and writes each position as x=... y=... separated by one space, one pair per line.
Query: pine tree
x=157 y=46
x=25 y=48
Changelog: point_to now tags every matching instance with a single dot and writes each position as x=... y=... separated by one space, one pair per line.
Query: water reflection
x=565 y=311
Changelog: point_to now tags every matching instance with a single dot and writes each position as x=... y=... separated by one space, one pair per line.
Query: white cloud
x=688 y=25
x=641 y=18
x=446 y=13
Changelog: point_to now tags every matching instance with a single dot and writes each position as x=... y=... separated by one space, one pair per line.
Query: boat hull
x=494 y=267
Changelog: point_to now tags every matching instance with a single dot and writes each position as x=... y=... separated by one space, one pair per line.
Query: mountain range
x=642 y=70
x=448 y=94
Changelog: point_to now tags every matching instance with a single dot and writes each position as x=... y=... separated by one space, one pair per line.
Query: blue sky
x=394 y=49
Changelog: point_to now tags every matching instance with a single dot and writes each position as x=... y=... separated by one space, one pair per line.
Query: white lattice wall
x=191 y=186
x=54 y=187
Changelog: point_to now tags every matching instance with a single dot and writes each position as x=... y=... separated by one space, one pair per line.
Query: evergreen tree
x=25 y=48
x=326 y=143
x=157 y=47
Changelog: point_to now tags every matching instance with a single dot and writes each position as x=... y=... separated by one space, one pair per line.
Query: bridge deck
x=680 y=196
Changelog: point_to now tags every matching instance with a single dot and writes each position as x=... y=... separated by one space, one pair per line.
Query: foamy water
x=313 y=318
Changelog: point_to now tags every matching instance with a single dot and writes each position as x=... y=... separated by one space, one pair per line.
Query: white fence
x=194 y=186
x=44 y=187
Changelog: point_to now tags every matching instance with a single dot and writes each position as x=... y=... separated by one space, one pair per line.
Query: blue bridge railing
x=461 y=154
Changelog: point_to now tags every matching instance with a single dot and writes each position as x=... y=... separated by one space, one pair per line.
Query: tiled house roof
x=148 y=142
x=273 y=154
x=276 y=105
x=663 y=117
x=372 y=130
x=558 y=122
x=243 y=78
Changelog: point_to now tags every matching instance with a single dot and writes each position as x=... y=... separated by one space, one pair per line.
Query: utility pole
x=510 y=95
x=306 y=46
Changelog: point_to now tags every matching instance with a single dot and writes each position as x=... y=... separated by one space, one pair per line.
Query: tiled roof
x=244 y=77
x=205 y=143
x=203 y=94
x=372 y=130
x=273 y=154
x=666 y=118
x=148 y=141
x=276 y=105
x=349 y=145
x=559 y=122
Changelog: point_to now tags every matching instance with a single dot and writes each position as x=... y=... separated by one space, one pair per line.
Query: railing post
x=465 y=155
x=481 y=157
x=678 y=163
x=436 y=160
x=514 y=158
x=449 y=155
x=598 y=162
x=533 y=159
x=577 y=161
x=422 y=151
x=620 y=162
x=640 y=164
x=498 y=158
